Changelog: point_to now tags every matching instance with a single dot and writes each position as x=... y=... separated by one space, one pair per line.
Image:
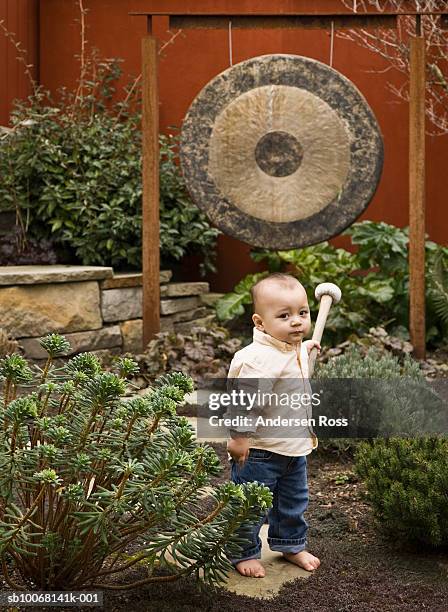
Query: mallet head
x=328 y=289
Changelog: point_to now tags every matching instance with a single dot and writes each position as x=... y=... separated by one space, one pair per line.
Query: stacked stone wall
x=92 y=307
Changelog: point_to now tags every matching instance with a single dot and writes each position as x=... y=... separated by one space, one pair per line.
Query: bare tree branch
x=393 y=46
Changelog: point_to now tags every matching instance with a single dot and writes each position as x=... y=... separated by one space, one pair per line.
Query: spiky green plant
x=92 y=484
x=407 y=484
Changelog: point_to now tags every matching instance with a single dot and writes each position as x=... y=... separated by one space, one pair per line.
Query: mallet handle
x=324 y=308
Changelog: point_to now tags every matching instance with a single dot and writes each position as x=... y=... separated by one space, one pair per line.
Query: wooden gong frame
x=159 y=22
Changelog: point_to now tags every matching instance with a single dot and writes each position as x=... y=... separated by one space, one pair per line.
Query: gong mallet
x=326 y=294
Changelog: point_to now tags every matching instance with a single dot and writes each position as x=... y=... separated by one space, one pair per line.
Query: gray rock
x=171 y=306
x=186 y=327
x=209 y=299
x=107 y=337
x=165 y=276
x=183 y=289
x=132 y=331
x=31 y=311
x=132 y=334
x=188 y=315
x=121 y=304
x=166 y=324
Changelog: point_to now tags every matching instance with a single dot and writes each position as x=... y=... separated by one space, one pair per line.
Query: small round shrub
x=407 y=484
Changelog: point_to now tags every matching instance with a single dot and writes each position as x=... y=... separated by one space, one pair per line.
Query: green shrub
x=385 y=247
x=72 y=171
x=407 y=484
x=85 y=474
x=374 y=282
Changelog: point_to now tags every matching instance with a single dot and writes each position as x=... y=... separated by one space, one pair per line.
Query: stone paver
x=38 y=274
x=278 y=571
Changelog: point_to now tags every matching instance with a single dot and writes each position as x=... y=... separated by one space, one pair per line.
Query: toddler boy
x=281 y=318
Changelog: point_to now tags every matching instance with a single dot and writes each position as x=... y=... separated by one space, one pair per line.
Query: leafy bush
x=385 y=248
x=374 y=281
x=85 y=474
x=73 y=169
x=407 y=484
x=204 y=353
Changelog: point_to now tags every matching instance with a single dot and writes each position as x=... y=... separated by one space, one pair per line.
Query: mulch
x=361 y=569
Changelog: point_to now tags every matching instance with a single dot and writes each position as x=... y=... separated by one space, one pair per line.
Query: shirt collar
x=264 y=338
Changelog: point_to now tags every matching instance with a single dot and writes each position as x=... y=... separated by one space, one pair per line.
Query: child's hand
x=310 y=344
x=238 y=449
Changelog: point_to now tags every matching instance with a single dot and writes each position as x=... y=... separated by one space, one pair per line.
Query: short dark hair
x=276 y=276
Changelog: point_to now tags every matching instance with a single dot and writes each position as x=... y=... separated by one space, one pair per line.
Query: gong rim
x=339 y=93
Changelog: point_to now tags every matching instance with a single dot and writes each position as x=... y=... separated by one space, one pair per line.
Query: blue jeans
x=286 y=478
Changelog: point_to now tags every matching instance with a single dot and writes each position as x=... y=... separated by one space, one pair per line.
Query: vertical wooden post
x=150 y=205
x=417 y=195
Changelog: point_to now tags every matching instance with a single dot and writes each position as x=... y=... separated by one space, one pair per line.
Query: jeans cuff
x=288 y=545
x=251 y=553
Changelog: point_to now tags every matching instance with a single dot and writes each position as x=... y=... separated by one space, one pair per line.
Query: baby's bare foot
x=303 y=559
x=251 y=568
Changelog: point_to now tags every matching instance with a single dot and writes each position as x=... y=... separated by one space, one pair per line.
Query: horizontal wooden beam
x=223 y=13
x=189 y=22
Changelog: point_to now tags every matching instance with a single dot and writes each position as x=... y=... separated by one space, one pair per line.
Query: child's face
x=283 y=312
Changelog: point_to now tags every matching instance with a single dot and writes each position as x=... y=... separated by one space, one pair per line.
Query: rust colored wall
x=196 y=56
x=22 y=18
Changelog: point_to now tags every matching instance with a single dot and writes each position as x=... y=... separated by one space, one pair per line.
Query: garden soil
x=361 y=570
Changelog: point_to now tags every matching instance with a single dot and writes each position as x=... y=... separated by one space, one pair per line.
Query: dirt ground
x=361 y=570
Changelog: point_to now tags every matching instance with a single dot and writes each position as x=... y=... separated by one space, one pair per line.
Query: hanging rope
x=331 y=44
x=230 y=44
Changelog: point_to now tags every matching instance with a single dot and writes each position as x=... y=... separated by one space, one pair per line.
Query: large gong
x=281 y=151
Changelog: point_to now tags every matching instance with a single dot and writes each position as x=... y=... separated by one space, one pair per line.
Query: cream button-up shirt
x=271 y=361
